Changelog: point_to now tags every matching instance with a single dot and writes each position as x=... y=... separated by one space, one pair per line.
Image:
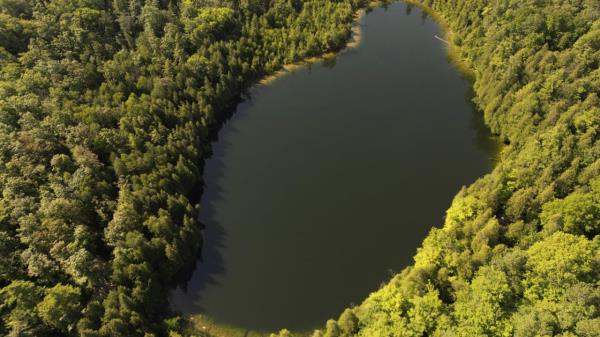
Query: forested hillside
x=105 y=111
x=519 y=252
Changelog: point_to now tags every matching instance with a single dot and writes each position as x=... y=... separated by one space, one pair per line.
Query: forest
x=106 y=112
x=106 y=109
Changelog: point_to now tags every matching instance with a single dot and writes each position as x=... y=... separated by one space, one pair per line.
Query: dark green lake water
x=331 y=176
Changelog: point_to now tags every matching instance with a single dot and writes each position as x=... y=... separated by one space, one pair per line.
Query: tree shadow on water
x=483 y=137
x=186 y=297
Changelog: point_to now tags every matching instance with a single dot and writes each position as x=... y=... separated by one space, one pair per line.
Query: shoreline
x=207 y=326
x=448 y=37
x=354 y=41
x=462 y=65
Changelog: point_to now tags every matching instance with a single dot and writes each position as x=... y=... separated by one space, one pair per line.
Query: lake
x=327 y=179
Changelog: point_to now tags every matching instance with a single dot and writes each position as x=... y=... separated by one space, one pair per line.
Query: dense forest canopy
x=519 y=251
x=105 y=111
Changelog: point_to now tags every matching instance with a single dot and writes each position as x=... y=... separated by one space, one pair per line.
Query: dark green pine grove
x=105 y=111
x=519 y=252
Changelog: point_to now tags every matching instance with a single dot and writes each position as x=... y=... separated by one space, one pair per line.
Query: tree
x=578 y=213
x=480 y=310
x=558 y=262
x=348 y=323
x=61 y=307
x=19 y=300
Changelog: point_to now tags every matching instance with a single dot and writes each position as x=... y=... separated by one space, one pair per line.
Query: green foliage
x=105 y=112
x=579 y=212
x=558 y=262
x=282 y=333
x=208 y=23
x=19 y=300
x=348 y=322
x=60 y=308
x=480 y=309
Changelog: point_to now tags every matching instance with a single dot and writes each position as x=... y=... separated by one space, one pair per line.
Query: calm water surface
x=330 y=177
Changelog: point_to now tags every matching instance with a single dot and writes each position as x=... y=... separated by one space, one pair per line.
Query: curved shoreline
x=448 y=37
x=462 y=65
x=356 y=37
x=354 y=41
x=204 y=324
